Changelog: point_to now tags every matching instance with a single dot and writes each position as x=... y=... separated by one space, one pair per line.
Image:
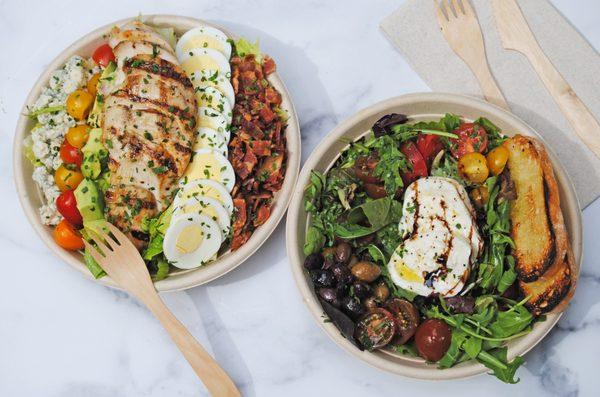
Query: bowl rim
x=380 y=359
x=179 y=280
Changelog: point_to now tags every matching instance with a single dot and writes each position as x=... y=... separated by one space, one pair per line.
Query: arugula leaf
x=511 y=322
x=454 y=351
x=378 y=213
x=312 y=192
x=497 y=361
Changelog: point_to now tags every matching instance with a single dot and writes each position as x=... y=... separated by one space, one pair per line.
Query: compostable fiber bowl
x=31 y=197
x=418 y=107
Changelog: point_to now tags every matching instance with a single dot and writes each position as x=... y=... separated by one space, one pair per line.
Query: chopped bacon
x=262 y=214
x=257 y=149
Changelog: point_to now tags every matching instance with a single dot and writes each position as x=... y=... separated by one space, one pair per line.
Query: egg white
x=208 y=206
x=213 y=78
x=191 y=227
x=204 y=59
x=206 y=188
x=207 y=138
x=211 y=97
x=211 y=118
x=203 y=37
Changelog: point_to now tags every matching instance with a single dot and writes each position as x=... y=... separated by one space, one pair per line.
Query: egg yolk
x=199 y=62
x=202 y=41
x=204 y=166
x=189 y=239
x=407 y=273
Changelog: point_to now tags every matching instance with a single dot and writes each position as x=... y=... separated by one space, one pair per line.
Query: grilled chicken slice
x=148 y=126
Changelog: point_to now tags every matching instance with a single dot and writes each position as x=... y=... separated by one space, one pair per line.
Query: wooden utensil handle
x=581 y=119
x=212 y=375
x=489 y=87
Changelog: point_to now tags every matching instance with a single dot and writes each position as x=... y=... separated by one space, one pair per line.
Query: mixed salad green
x=355 y=208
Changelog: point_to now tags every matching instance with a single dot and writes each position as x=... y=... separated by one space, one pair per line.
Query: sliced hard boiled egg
x=212 y=78
x=210 y=164
x=211 y=118
x=206 y=188
x=191 y=240
x=208 y=206
x=213 y=98
x=208 y=138
x=205 y=59
x=203 y=37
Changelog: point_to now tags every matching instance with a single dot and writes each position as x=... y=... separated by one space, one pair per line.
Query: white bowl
x=31 y=198
x=418 y=107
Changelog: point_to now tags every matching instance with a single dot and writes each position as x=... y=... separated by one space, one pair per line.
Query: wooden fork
x=461 y=29
x=124 y=264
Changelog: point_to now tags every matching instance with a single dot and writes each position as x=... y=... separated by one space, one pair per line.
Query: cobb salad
x=178 y=141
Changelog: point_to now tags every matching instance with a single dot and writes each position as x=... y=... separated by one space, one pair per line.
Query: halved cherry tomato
x=376 y=329
x=103 y=55
x=77 y=136
x=432 y=339
x=67 y=237
x=66 y=204
x=471 y=138
x=496 y=160
x=406 y=316
x=364 y=168
x=429 y=145
x=70 y=154
x=79 y=104
x=92 y=84
x=67 y=179
x=473 y=167
x=416 y=160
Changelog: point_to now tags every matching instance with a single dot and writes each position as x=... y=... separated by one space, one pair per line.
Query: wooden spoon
x=123 y=263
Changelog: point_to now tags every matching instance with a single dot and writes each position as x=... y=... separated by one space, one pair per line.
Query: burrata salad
x=179 y=141
x=409 y=245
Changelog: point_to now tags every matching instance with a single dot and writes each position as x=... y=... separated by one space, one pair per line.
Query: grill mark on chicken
x=181 y=113
x=159 y=67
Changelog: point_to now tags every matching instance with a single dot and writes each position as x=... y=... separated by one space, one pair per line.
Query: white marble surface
x=61 y=335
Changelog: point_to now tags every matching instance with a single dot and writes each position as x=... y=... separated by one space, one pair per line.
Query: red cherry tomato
x=67 y=206
x=103 y=55
x=429 y=146
x=471 y=138
x=432 y=339
x=416 y=160
x=70 y=154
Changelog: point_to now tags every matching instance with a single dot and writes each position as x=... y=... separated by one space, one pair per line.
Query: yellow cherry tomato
x=92 y=84
x=473 y=167
x=77 y=136
x=79 y=104
x=496 y=160
x=480 y=196
x=67 y=179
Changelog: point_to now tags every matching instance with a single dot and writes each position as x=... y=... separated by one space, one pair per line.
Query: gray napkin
x=414 y=31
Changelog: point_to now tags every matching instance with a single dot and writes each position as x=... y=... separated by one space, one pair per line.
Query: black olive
x=342 y=274
x=322 y=278
x=352 y=307
x=328 y=294
x=361 y=289
x=384 y=125
x=343 y=251
x=328 y=262
x=313 y=261
x=370 y=303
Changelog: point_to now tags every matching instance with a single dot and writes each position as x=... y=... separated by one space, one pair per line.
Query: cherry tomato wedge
x=432 y=339
x=406 y=317
x=103 y=55
x=67 y=179
x=70 y=154
x=79 y=104
x=416 y=160
x=429 y=145
x=364 y=168
x=67 y=237
x=92 y=84
x=471 y=138
x=376 y=329
x=67 y=206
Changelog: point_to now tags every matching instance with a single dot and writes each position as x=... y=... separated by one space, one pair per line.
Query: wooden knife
x=516 y=35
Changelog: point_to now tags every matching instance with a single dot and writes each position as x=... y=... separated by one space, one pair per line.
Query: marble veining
x=63 y=336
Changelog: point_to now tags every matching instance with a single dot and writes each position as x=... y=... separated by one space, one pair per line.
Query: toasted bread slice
x=554 y=289
x=530 y=225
